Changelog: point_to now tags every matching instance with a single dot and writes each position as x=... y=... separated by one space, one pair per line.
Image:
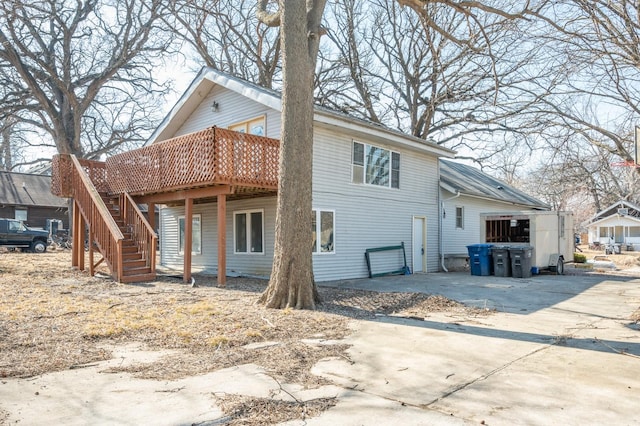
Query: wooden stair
x=134 y=265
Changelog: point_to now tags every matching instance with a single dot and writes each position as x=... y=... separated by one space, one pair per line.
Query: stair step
x=138 y=278
x=129 y=249
x=135 y=255
x=133 y=263
x=138 y=270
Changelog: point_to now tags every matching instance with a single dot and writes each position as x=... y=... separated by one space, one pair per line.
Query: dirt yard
x=53 y=318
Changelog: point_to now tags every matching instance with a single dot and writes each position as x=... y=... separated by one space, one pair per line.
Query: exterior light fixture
x=215 y=106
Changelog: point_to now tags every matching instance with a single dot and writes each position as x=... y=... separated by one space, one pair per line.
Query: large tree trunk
x=291 y=283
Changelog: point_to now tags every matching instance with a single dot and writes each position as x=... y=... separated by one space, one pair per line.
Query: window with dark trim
x=323 y=226
x=248 y=229
x=375 y=166
x=196 y=234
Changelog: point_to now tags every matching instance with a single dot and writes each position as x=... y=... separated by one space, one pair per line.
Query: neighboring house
x=619 y=223
x=466 y=192
x=28 y=197
x=372 y=187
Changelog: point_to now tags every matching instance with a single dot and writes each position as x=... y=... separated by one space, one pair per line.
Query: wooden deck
x=212 y=157
x=216 y=164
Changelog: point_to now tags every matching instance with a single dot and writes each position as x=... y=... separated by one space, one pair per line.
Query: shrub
x=579 y=258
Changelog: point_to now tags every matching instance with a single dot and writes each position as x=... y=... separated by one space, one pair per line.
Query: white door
x=419 y=244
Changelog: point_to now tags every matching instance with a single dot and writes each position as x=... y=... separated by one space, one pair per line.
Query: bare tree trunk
x=291 y=283
x=6 y=162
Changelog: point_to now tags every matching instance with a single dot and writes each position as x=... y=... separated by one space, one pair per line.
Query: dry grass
x=624 y=260
x=251 y=411
x=53 y=318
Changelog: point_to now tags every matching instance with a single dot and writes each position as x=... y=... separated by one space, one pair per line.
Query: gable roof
x=28 y=190
x=207 y=78
x=460 y=178
x=612 y=210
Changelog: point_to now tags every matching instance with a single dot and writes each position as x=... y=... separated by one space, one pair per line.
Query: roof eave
x=340 y=120
x=487 y=198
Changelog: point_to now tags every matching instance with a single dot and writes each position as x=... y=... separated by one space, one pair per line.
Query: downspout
x=440 y=221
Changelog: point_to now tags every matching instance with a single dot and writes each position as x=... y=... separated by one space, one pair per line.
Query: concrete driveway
x=560 y=350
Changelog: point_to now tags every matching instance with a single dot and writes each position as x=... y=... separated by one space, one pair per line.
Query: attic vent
x=623 y=212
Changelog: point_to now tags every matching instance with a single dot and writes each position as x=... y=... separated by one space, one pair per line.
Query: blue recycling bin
x=480 y=260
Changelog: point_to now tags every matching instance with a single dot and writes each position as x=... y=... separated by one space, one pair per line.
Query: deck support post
x=222 y=240
x=78 y=239
x=188 y=238
x=151 y=215
x=75 y=245
x=92 y=270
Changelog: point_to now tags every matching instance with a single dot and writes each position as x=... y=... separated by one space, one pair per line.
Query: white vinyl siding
x=457 y=239
x=237 y=264
x=232 y=109
x=364 y=216
x=368 y=216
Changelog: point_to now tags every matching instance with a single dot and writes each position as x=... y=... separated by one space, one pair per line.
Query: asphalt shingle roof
x=471 y=181
x=28 y=190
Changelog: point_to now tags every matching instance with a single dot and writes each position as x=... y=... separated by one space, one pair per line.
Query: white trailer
x=549 y=233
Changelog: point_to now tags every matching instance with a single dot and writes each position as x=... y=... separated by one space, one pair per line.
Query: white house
x=372 y=187
x=617 y=224
x=466 y=193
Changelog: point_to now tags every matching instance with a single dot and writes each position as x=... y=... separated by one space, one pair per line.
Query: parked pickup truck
x=15 y=234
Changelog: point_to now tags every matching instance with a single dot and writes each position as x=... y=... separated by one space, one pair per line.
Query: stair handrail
x=144 y=235
x=104 y=229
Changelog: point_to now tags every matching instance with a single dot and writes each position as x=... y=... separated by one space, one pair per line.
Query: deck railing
x=211 y=156
x=62 y=172
x=103 y=229
x=142 y=233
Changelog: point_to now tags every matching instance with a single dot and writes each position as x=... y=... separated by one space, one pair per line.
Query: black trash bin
x=521 y=261
x=501 y=261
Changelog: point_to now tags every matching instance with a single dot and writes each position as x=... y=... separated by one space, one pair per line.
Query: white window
x=375 y=166
x=255 y=126
x=323 y=226
x=248 y=228
x=196 y=234
x=460 y=217
x=21 y=214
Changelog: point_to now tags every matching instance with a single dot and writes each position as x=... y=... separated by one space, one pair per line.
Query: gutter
x=440 y=221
